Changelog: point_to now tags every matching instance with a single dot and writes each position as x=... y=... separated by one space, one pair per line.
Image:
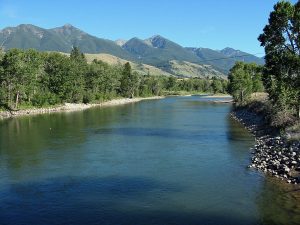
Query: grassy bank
x=279 y=121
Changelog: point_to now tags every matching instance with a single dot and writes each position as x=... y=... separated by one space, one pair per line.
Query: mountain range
x=155 y=51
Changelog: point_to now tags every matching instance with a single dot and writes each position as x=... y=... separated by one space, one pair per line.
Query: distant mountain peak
x=156 y=36
x=120 y=42
x=157 y=41
x=230 y=52
x=69 y=30
x=228 y=49
x=68 y=25
x=136 y=38
x=7 y=32
x=27 y=27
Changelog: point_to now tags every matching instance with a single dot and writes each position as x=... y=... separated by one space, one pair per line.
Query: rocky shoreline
x=272 y=153
x=69 y=107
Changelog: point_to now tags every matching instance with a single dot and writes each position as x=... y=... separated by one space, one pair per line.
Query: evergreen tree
x=77 y=55
x=171 y=83
x=129 y=81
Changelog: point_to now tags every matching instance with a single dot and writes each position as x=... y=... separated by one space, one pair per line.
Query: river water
x=178 y=160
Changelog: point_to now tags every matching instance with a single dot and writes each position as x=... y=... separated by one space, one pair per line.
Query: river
x=178 y=160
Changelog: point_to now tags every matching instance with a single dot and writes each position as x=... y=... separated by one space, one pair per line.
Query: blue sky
x=192 y=23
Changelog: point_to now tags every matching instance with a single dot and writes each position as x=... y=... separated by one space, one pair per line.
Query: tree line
x=244 y=80
x=281 y=72
x=32 y=78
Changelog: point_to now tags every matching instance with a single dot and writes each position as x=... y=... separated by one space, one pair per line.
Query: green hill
x=156 y=51
x=57 y=39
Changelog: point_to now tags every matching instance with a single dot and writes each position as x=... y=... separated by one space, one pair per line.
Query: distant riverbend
x=176 y=160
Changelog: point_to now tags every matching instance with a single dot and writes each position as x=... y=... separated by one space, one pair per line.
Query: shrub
x=40 y=100
x=88 y=97
x=282 y=118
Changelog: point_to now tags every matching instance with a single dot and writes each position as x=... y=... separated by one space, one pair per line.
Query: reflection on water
x=279 y=203
x=179 y=160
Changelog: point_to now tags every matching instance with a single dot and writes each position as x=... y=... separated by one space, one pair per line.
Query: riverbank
x=217 y=96
x=272 y=153
x=69 y=107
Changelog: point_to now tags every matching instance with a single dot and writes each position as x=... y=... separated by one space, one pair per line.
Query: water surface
x=179 y=160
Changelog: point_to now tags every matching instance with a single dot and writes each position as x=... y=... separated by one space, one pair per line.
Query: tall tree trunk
x=9 y=95
x=17 y=99
x=131 y=94
x=34 y=86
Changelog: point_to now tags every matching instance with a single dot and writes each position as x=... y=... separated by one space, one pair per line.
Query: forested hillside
x=31 y=78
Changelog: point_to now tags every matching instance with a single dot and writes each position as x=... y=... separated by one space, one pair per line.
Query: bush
x=40 y=100
x=53 y=99
x=77 y=97
x=88 y=97
x=293 y=132
x=282 y=119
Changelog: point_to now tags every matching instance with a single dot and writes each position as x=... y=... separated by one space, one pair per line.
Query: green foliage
x=66 y=77
x=1 y=54
x=171 y=83
x=217 y=85
x=281 y=40
x=32 y=78
x=88 y=97
x=21 y=70
x=244 y=79
x=149 y=86
x=129 y=81
x=77 y=56
x=44 y=99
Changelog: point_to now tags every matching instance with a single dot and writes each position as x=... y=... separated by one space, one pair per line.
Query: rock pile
x=272 y=154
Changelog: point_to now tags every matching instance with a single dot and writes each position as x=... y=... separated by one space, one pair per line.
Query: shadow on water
x=109 y=200
x=279 y=202
x=155 y=132
x=237 y=132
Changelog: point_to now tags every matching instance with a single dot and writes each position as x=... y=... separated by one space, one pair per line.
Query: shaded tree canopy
x=281 y=41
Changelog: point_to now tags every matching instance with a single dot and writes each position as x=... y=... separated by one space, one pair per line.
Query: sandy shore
x=69 y=107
